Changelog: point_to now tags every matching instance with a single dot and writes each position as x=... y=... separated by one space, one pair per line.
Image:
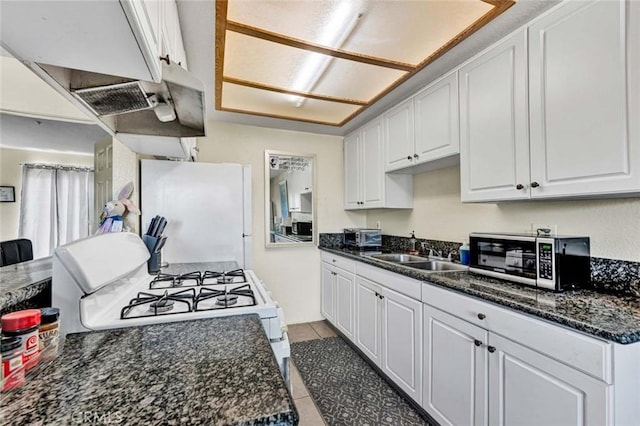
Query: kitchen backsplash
x=607 y=275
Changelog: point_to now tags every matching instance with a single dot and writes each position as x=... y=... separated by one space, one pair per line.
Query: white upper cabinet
x=494 y=145
x=123 y=38
x=399 y=136
x=366 y=185
x=146 y=16
x=172 y=43
x=437 y=120
x=424 y=128
x=577 y=134
x=581 y=72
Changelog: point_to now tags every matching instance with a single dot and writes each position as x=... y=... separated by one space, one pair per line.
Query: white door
x=402 y=341
x=529 y=389
x=399 y=136
x=579 y=80
x=455 y=385
x=328 y=293
x=345 y=302
x=368 y=333
x=372 y=164
x=352 y=171
x=437 y=120
x=494 y=144
x=102 y=178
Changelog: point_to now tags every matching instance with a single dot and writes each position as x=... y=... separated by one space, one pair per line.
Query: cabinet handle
x=381 y=296
x=415 y=156
x=166 y=59
x=481 y=316
x=377 y=294
x=477 y=342
x=491 y=349
x=333 y=260
x=409 y=157
x=519 y=186
x=535 y=184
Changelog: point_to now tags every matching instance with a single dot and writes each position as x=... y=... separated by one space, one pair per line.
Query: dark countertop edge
x=580 y=327
x=14 y=296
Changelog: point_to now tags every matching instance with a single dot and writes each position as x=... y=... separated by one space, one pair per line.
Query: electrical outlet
x=536 y=226
x=378 y=225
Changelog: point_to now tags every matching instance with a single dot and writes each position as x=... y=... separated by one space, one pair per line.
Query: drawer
x=397 y=282
x=585 y=353
x=339 y=261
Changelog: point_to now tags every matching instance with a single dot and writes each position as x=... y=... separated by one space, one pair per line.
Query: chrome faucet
x=435 y=253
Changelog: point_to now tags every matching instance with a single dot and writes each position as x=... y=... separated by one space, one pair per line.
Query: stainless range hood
x=174 y=107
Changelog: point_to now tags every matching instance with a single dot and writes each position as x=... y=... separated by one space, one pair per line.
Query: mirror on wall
x=289 y=198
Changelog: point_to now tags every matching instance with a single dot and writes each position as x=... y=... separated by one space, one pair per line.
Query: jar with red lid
x=24 y=325
x=12 y=366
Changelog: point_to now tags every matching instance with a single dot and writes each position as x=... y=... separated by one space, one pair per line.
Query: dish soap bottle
x=413 y=242
x=465 y=256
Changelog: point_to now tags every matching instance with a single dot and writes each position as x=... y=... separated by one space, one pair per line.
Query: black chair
x=15 y=251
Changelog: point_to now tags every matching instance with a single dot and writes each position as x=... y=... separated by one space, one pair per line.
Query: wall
x=292 y=274
x=612 y=224
x=11 y=175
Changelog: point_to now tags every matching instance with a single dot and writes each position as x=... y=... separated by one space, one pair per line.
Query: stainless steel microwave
x=363 y=239
x=551 y=262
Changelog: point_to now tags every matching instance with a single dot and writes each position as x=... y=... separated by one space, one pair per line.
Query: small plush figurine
x=113 y=215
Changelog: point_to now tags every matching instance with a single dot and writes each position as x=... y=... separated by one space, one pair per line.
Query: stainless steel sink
x=419 y=262
x=436 y=265
x=398 y=258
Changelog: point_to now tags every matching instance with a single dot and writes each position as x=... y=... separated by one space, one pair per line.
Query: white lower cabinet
x=338 y=298
x=455 y=382
x=476 y=377
x=389 y=332
x=527 y=388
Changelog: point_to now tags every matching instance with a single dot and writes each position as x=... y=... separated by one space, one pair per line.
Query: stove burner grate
x=224 y=298
x=224 y=277
x=163 y=304
x=176 y=280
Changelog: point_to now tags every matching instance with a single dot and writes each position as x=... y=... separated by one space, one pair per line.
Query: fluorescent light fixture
x=339 y=27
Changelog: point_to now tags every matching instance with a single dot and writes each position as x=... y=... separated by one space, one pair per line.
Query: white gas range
x=101 y=283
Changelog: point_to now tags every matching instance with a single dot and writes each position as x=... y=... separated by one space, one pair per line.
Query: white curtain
x=56 y=206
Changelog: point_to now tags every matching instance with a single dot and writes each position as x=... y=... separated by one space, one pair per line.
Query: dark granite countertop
x=214 y=371
x=615 y=318
x=23 y=281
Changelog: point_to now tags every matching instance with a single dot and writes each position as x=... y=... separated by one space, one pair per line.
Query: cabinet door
x=579 y=75
x=345 y=303
x=402 y=341
x=372 y=165
x=367 y=312
x=352 y=171
x=328 y=293
x=437 y=120
x=529 y=389
x=455 y=385
x=399 y=136
x=146 y=17
x=494 y=145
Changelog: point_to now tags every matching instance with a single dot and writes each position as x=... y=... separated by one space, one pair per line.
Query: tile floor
x=309 y=414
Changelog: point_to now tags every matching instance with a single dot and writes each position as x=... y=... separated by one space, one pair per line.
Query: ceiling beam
x=502 y=5
x=307 y=95
x=221 y=32
x=312 y=47
x=281 y=117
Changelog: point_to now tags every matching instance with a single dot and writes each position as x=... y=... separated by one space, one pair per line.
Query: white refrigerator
x=207 y=207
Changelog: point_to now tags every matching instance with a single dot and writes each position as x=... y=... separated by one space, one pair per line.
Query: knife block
x=153 y=264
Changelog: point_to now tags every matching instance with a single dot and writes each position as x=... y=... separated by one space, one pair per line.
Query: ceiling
x=326 y=61
x=196 y=18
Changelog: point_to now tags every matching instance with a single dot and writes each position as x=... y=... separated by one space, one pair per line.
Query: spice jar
x=12 y=366
x=24 y=325
x=49 y=333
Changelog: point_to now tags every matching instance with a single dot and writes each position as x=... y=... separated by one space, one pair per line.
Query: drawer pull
x=519 y=186
x=535 y=184
x=491 y=349
x=477 y=342
x=409 y=157
x=481 y=316
x=381 y=296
